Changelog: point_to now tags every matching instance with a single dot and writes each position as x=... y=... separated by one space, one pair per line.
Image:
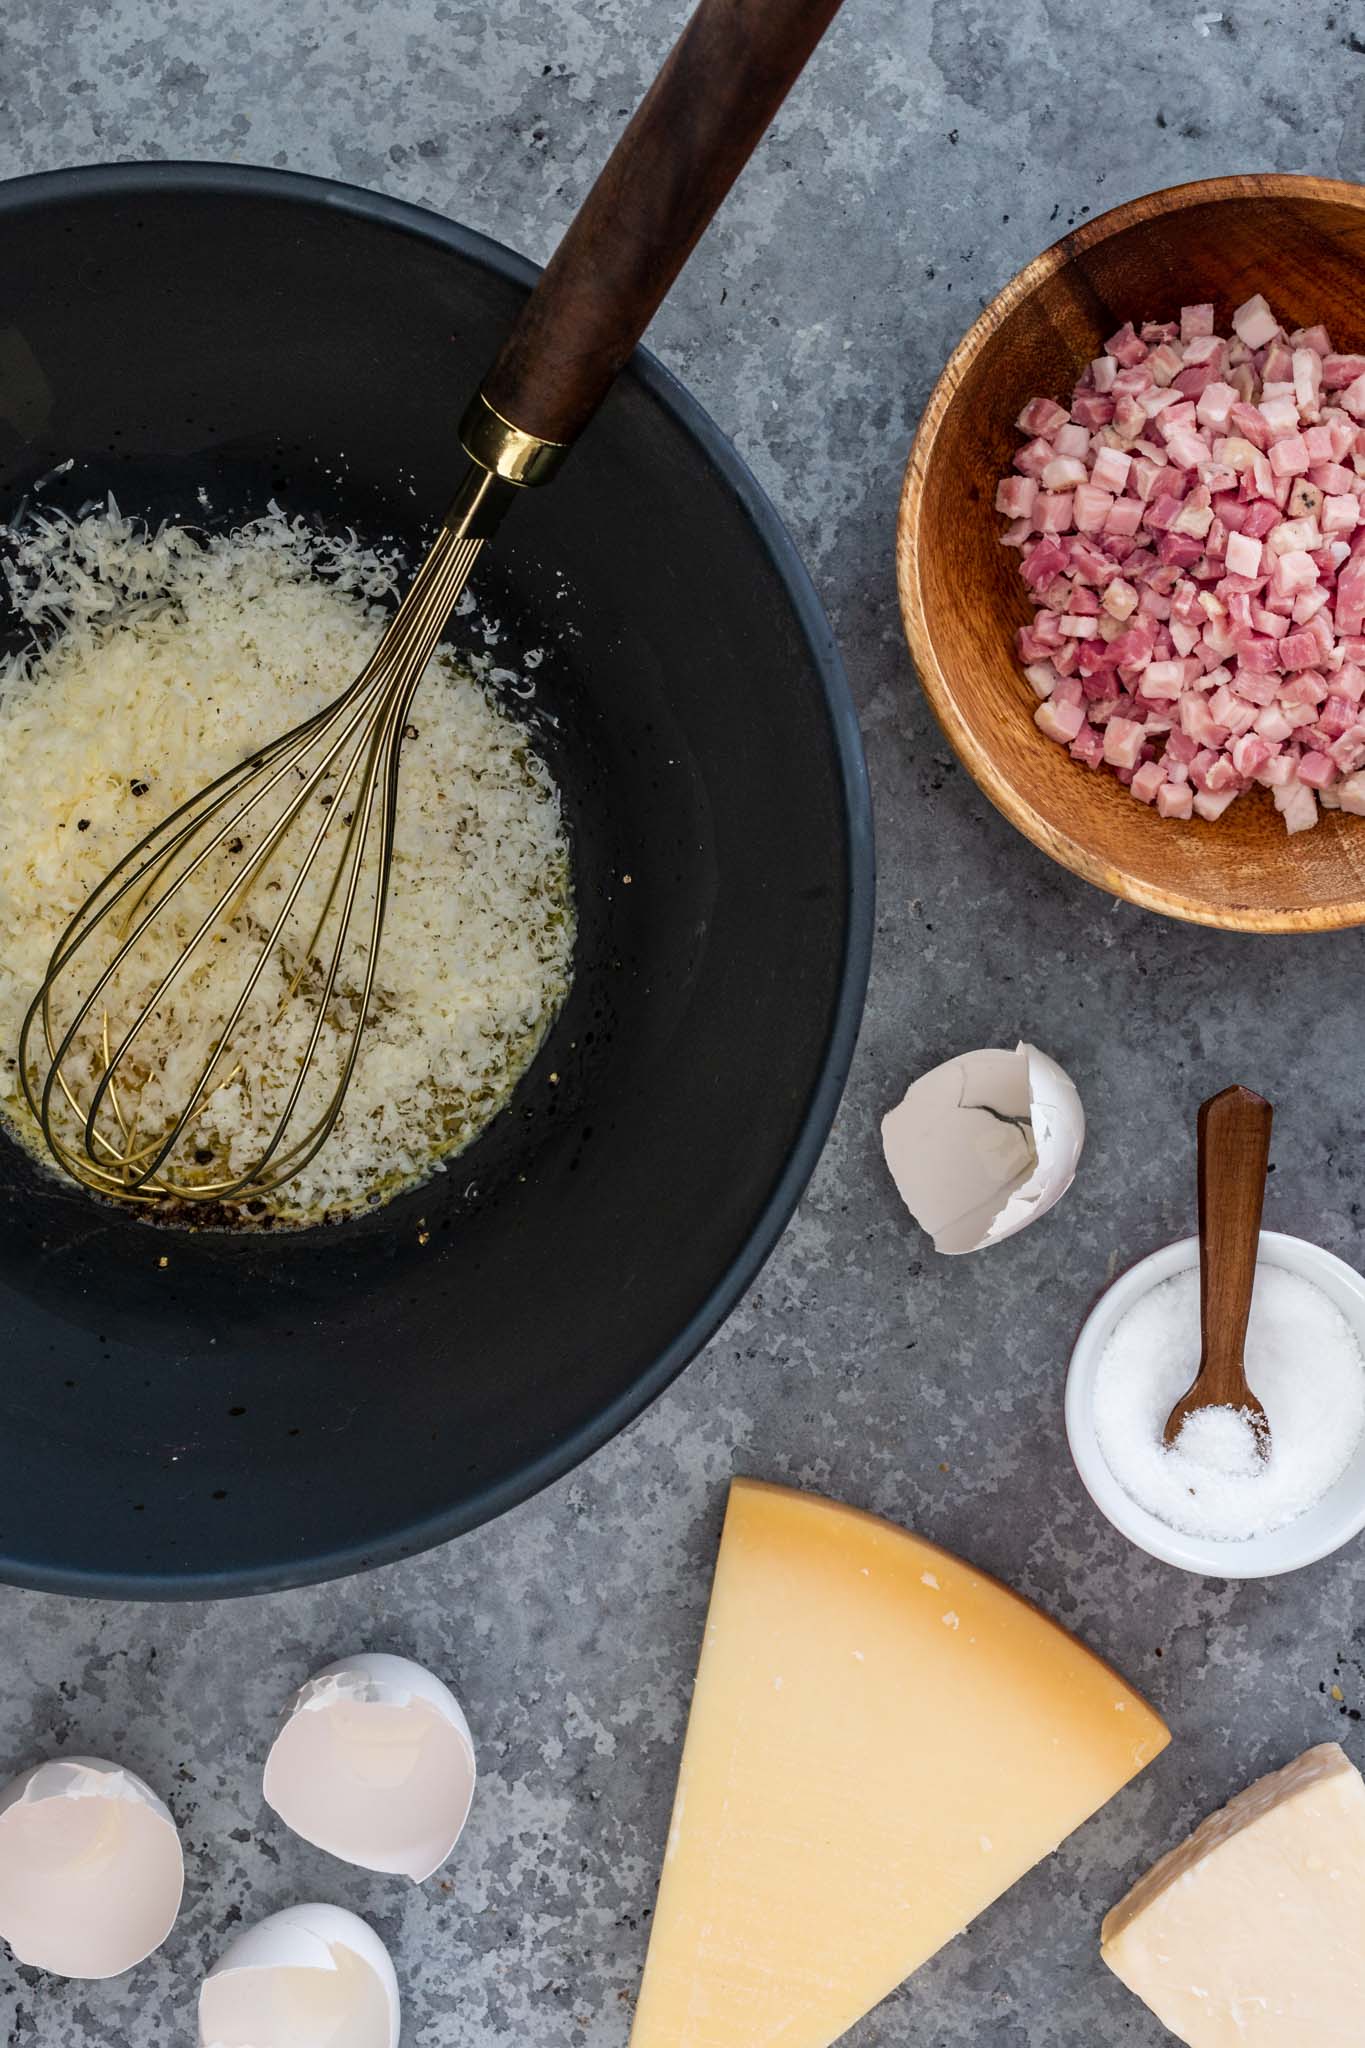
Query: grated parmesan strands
x=159 y=660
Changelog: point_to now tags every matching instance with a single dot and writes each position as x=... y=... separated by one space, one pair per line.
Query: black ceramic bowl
x=184 y=1413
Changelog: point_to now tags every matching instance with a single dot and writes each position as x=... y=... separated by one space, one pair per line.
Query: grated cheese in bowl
x=160 y=659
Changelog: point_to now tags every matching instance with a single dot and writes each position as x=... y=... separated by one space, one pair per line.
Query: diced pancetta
x=1191 y=528
x=1254 y=324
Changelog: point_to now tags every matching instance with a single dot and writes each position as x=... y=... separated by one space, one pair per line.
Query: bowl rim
x=249 y=182
x=1286 y=1549
x=1059 y=845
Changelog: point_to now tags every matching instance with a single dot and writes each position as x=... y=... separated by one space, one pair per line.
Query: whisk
x=292 y=847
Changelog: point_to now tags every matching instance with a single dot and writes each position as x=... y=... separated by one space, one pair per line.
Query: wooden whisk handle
x=693 y=133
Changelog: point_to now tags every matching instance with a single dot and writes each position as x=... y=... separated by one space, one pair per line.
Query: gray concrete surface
x=930 y=151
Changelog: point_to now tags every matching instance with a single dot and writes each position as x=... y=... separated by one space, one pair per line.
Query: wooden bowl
x=1301 y=241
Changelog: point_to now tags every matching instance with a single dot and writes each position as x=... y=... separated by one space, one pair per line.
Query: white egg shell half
x=374 y=1762
x=91 y=1871
x=984 y=1145
x=310 y=1977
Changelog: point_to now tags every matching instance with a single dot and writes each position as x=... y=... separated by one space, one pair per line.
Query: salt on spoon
x=1234 y=1152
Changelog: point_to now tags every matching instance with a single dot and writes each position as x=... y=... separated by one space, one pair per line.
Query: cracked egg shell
x=91 y=1870
x=310 y=1977
x=984 y=1145
x=374 y=1763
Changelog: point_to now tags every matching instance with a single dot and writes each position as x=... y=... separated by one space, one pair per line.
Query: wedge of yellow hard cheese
x=882 y=1740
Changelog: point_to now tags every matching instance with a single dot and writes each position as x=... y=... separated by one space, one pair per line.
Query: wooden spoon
x=1234 y=1149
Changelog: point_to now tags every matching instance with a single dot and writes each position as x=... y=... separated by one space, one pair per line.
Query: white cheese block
x=1252 y=1933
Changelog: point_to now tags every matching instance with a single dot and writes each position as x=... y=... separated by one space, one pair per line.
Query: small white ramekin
x=1321 y=1529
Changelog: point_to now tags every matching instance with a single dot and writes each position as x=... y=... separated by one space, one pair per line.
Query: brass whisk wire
x=354 y=743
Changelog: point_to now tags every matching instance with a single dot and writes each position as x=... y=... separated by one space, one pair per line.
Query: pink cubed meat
x=1129 y=417
x=1042 y=563
x=1090 y=508
x=1258 y=690
x=1092 y=410
x=1134 y=647
x=1214 y=406
x=1211 y=804
x=1292 y=573
x=1316 y=769
x=1195 y=380
x=1015 y=496
x=1064 y=472
x=1059 y=721
x=1123 y=739
x=1088 y=747
x=1120 y=600
x=1250 y=752
x=1306 y=686
x=1123 y=517
x=1278 y=770
x=1350 y=604
x=1173 y=415
x=1254 y=323
x=1344 y=435
x=1307 y=371
x=1281 y=415
x=1257 y=653
x=1033 y=458
x=1199 y=723
x=1261 y=519
x=1164 y=679
x=1331 y=476
x=1337 y=716
x=1042 y=416
x=1277 y=366
x=1192 y=529
x=1125 y=346
x=1243 y=553
x=1110 y=471
x=1246 y=423
x=1288 y=457
x=1297 y=805
x=1299 y=651
x=1231 y=711
x=1221 y=775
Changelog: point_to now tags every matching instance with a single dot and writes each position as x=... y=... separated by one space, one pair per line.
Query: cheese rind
x=882 y=1740
x=1252 y=1933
